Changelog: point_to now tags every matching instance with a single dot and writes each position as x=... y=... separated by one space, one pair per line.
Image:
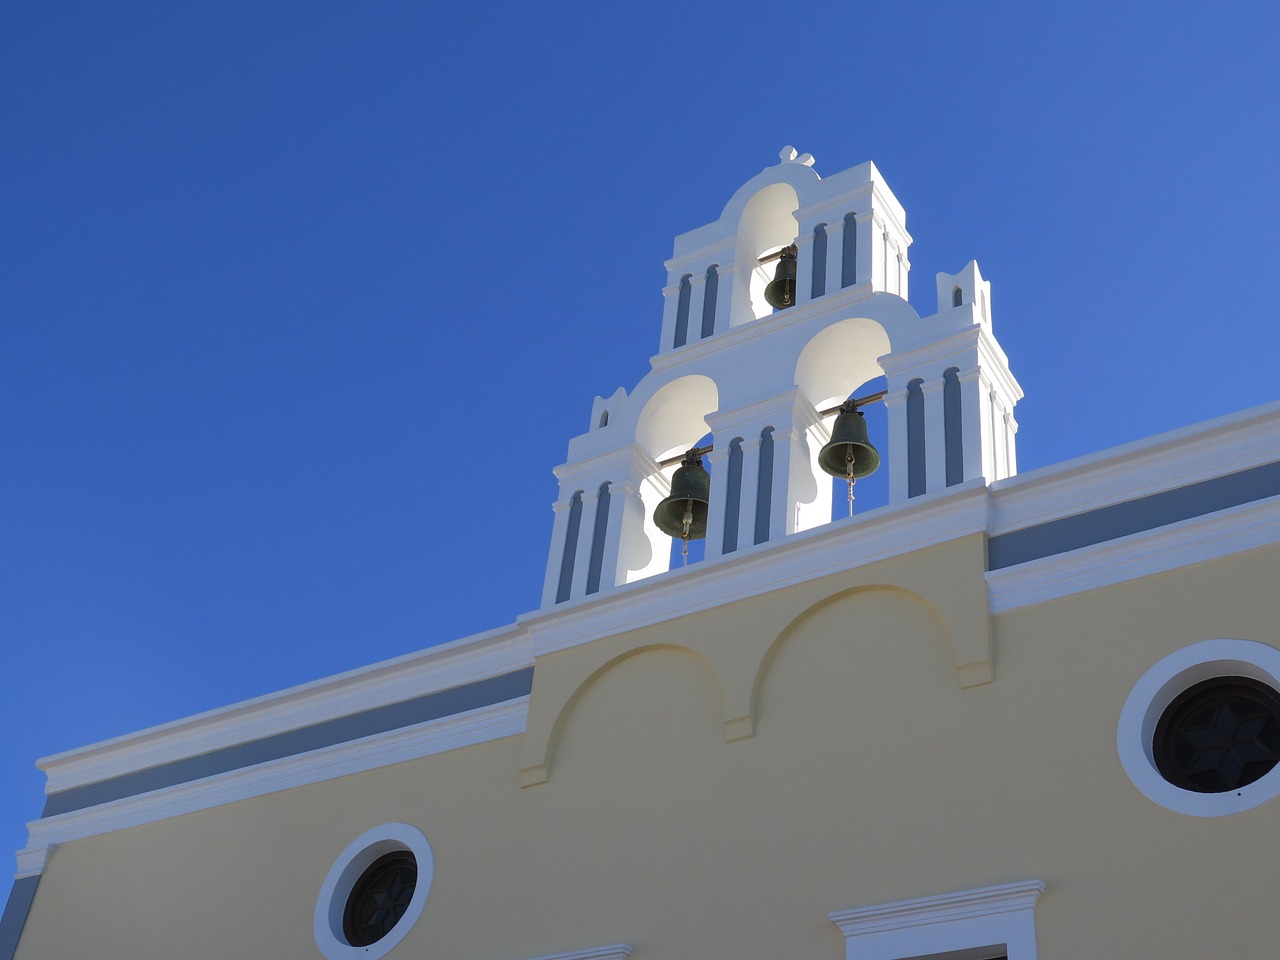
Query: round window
x=380 y=898
x=374 y=892
x=1200 y=731
x=1218 y=735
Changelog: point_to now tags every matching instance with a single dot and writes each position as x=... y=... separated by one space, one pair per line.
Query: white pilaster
x=815 y=512
x=555 y=556
x=726 y=288
x=750 y=490
x=670 y=307
x=622 y=498
x=1010 y=437
x=718 y=466
x=804 y=266
x=935 y=439
x=988 y=416
x=868 y=236
x=586 y=537
x=971 y=392
x=895 y=402
x=697 y=294
x=835 y=253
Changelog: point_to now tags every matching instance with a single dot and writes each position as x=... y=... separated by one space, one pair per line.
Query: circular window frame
x=347 y=870
x=1151 y=697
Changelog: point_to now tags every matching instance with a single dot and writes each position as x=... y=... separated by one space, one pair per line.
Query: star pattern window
x=380 y=898
x=1219 y=735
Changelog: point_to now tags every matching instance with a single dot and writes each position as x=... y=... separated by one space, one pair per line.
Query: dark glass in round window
x=380 y=898
x=1219 y=735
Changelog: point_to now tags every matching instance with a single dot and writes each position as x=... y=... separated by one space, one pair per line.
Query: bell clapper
x=848 y=475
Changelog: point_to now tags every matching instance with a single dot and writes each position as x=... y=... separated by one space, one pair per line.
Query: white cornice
x=824 y=310
x=725 y=421
x=471 y=659
x=1164 y=462
x=967 y=904
x=876 y=535
x=356 y=756
x=1221 y=446
x=838 y=203
x=1181 y=544
x=926 y=356
x=615 y=951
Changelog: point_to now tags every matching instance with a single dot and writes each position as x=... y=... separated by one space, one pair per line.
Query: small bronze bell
x=849 y=455
x=781 y=292
x=683 y=515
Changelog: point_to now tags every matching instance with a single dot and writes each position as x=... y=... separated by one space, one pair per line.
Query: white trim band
x=408 y=743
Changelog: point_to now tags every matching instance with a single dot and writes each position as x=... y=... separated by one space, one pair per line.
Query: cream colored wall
x=872 y=776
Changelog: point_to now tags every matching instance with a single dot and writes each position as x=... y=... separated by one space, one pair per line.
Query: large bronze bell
x=683 y=515
x=781 y=292
x=849 y=454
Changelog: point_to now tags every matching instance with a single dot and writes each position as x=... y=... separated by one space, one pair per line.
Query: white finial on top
x=788 y=155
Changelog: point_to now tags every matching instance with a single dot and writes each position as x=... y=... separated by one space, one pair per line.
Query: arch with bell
x=794 y=330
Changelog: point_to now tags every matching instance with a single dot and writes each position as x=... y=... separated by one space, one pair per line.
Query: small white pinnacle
x=788 y=155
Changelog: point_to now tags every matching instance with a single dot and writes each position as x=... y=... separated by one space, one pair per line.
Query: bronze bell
x=781 y=292
x=849 y=454
x=683 y=515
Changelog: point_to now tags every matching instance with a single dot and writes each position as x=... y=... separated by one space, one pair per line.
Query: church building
x=1022 y=716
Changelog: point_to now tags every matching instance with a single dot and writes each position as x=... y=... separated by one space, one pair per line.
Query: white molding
x=345 y=873
x=356 y=756
x=1152 y=694
x=480 y=657
x=761 y=568
x=814 y=313
x=1222 y=446
x=948 y=923
x=1169 y=547
x=32 y=860
x=614 y=951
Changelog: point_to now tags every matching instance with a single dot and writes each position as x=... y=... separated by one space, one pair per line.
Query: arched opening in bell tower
x=672 y=422
x=767 y=225
x=840 y=363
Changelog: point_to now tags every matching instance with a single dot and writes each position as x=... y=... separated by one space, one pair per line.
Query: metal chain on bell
x=848 y=475
x=687 y=522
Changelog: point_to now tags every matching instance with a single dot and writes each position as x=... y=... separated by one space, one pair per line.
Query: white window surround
x=342 y=877
x=1153 y=693
x=614 y=951
x=974 y=924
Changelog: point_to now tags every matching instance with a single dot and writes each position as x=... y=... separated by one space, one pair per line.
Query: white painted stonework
x=758 y=370
x=970 y=925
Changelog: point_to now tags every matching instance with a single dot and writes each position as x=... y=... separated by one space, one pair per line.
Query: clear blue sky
x=257 y=260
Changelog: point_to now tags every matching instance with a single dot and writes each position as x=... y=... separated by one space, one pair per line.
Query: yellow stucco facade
x=872 y=775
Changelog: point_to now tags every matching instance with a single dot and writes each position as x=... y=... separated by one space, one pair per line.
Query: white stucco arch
x=840 y=358
x=674 y=418
x=767 y=223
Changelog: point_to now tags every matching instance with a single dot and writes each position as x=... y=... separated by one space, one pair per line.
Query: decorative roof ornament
x=788 y=155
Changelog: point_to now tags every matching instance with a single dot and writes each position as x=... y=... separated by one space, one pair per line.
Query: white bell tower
x=759 y=380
